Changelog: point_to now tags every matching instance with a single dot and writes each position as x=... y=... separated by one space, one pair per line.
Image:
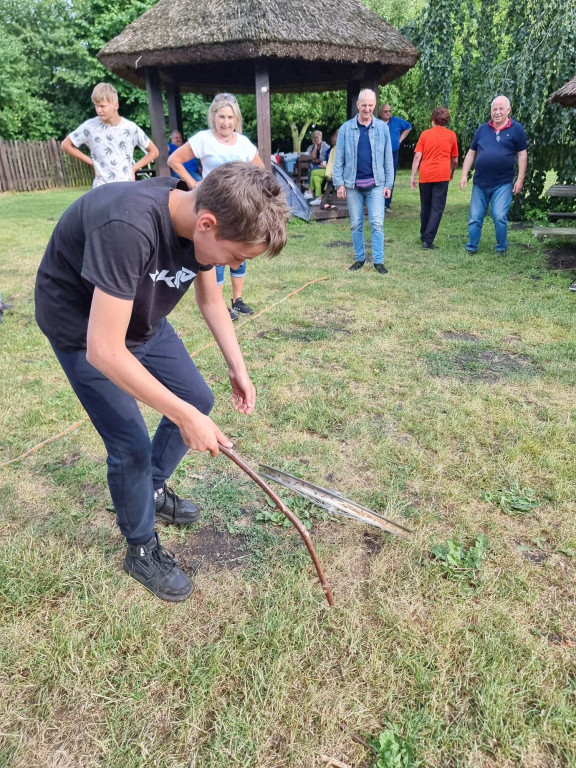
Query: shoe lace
x=172 y=494
x=166 y=560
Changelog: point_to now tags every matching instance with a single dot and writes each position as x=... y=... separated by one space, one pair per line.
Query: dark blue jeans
x=137 y=464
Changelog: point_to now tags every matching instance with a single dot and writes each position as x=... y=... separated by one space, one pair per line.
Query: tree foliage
x=48 y=66
x=474 y=50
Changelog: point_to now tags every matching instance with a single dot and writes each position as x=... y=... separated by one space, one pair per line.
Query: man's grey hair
x=507 y=100
x=366 y=90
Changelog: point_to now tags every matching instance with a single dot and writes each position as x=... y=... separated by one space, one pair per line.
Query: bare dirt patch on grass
x=212 y=547
x=561 y=258
x=487 y=365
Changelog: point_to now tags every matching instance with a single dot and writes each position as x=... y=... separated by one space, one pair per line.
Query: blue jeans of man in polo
x=499 y=199
x=374 y=199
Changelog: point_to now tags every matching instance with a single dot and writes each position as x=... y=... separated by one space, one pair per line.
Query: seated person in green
x=319 y=174
x=118 y=262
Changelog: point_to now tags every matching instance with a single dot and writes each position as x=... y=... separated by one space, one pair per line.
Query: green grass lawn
x=440 y=395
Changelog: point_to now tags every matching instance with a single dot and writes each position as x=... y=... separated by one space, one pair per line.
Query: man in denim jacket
x=364 y=174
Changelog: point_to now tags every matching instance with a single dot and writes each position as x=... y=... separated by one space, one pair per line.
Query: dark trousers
x=432 y=203
x=395 y=156
x=137 y=465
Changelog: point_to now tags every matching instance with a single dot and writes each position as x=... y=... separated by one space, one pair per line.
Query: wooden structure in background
x=254 y=46
x=566 y=96
x=29 y=165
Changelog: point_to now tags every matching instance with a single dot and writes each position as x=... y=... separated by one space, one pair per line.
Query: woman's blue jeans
x=137 y=465
x=240 y=272
x=374 y=199
x=499 y=199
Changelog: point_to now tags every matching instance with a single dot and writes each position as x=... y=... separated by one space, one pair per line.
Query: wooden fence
x=31 y=165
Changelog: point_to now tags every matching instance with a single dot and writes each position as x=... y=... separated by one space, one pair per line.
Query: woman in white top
x=222 y=143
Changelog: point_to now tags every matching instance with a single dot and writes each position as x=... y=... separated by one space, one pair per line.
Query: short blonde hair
x=220 y=101
x=248 y=204
x=315 y=133
x=104 y=92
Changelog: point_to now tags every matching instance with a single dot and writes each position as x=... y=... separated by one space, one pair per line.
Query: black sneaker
x=356 y=265
x=174 y=510
x=157 y=570
x=381 y=269
x=240 y=308
x=429 y=247
x=233 y=315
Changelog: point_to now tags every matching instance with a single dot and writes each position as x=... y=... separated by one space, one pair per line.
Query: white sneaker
x=316 y=202
x=308 y=195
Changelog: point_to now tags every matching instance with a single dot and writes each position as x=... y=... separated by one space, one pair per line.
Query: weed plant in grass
x=418 y=394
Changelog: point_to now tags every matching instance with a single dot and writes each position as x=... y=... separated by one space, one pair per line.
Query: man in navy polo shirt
x=494 y=149
x=398 y=129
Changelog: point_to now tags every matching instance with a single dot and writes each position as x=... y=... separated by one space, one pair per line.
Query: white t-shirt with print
x=213 y=153
x=111 y=147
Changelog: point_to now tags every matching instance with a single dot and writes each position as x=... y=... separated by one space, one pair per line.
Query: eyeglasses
x=498 y=136
x=225 y=97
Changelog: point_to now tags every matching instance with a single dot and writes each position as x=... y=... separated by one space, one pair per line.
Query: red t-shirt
x=438 y=144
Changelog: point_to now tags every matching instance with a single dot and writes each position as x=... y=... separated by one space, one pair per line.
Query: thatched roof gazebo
x=566 y=96
x=248 y=46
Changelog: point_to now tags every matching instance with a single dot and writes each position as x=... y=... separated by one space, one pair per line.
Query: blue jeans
x=499 y=198
x=138 y=465
x=240 y=272
x=374 y=199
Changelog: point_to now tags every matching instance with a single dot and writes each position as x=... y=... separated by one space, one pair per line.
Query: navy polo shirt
x=496 y=154
x=364 y=168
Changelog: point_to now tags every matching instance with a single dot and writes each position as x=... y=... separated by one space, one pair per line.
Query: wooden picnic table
x=561 y=190
x=564 y=192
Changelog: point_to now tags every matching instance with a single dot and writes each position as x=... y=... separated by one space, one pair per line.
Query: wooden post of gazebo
x=174 y=108
x=262 y=79
x=158 y=126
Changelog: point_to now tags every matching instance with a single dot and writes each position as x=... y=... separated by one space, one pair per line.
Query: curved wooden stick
x=285 y=511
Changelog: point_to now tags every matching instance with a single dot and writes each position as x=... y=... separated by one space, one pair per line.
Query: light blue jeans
x=374 y=199
x=240 y=272
x=499 y=198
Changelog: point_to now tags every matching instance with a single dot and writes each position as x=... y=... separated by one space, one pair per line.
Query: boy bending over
x=118 y=262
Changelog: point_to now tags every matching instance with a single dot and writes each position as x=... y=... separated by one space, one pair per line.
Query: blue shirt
x=191 y=165
x=496 y=154
x=396 y=126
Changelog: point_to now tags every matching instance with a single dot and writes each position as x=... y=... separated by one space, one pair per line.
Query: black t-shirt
x=120 y=238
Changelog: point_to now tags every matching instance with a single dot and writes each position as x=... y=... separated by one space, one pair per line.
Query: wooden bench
x=554 y=216
x=561 y=232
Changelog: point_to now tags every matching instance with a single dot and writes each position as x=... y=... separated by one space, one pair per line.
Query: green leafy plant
x=459 y=563
x=392 y=749
x=513 y=501
x=306 y=512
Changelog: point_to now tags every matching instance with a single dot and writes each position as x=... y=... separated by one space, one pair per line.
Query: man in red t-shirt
x=436 y=158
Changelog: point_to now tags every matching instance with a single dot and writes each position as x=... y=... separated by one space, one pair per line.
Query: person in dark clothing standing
x=435 y=159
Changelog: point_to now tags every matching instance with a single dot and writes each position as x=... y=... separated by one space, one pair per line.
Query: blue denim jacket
x=346 y=159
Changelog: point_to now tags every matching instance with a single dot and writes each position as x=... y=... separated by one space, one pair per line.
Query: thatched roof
x=565 y=95
x=207 y=44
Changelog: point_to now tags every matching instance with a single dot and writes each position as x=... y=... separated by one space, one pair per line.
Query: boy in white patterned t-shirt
x=111 y=140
